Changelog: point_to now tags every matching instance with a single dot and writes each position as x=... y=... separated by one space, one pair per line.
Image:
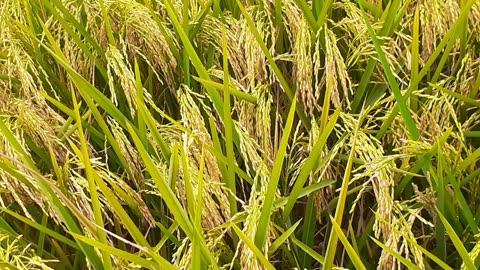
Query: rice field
x=239 y=134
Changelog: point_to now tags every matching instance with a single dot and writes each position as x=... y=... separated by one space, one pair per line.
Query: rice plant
x=209 y=134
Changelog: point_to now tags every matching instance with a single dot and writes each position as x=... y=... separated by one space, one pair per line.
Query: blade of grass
x=167 y=194
x=304 y=192
x=128 y=223
x=239 y=94
x=120 y=253
x=94 y=198
x=307 y=13
x=170 y=41
x=461 y=97
x=282 y=238
x=464 y=206
x=106 y=22
x=449 y=37
x=457 y=242
x=189 y=194
x=186 y=29
x=283 y=82
x=308 y=250
x=322 y=16
x=348 y=247
x=388 y=26
x=402 y=106
x=93 y=131
x=217 y=151
x=241 y=216
x=333 y=238
x=59 y=207
x=78 y=27
x=197 y=63
x=229 y=130
x=88 y=91
x=83 y=86
x=308 y=231
x=440 y=190
x=264 y=220
x=41 y=228
x=399 y=257
x=197 y=225
x=168 y=234
x=310 y=163
x=251 y=245
x=415 y=58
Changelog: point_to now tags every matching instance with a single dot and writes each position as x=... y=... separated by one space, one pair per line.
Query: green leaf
x=264 y=261
x=399 y=257
x=458 y=243
x=122 y=254
x=95 y=201
x=342 y=197
x=229 y=178
x=283 y=82
x=402 y=106
x=163 y=187
x=197 y=63
x=264 y=220
x=348 y=247
x=237 y=93
x=58 y=206
x=41 y=228
x=310 y=163
x=282 y=238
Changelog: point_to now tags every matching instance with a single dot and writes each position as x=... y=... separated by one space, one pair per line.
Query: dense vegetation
x=239 y=134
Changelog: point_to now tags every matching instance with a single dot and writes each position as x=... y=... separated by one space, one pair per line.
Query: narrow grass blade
x=254 y=248
x=95 y=201
x=448 y=38
x=319 y=258
x=304 y=192
x=75 y=37
x=348 y=247
x=41 y=228
x=237 y=93
x=59 y=207
x=342 y=197
x=282 y=238
x=168 y=234
x=397 y=256
x=310 y=163
x=163 y=187
x=307 y=13
x=197 y=63
x=402 y=106
x=388 y=25
x=189 y=193
x=467 y=100
x=88 y=91
x=415 y=58
x=122 y=254
x=283 y=82
x=440 y=189
x=264 y=220
x=457 y=242
x=230 y=179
